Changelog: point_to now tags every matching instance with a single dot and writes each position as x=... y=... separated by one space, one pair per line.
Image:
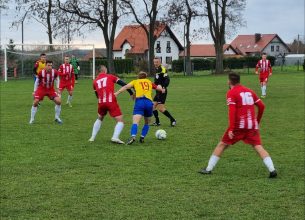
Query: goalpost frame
x=68 y=45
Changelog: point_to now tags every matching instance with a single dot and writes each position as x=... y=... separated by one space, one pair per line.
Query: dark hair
x=157 y=58
x=264 y=53
x=49 y=61
x=234 y=78
x=42 y=54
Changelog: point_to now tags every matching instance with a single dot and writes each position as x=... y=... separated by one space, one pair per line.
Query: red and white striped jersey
x=264 y=66
x=46 y=78
x=104 y=86
x=66 y=72
x=244 y=100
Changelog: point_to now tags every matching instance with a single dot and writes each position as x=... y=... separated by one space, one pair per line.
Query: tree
x=297 y=46
x=185 y=11
x=224 y=17
x=46 y=13
x=148 y=15
x=103 y=14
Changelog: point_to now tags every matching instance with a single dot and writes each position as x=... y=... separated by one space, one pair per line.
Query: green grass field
x=50 y=171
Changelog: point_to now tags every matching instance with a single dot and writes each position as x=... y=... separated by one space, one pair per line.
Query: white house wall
x=275 y=42
x=229 y=52
x=163 y=43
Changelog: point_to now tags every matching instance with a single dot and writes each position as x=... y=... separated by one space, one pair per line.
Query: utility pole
x=298 y=44
x=184 y=63
x=22 y=40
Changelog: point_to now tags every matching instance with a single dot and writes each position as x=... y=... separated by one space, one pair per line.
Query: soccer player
x=143 y=104
x=74 y=62
x=265 y=68
x=44 y=86
x=162 y=79
x=103 y=86
x=67 y=79
x=243 y=124
x=39 y=65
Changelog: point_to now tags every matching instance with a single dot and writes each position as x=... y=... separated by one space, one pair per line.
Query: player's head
x=234 y=79
x=67 y=59
x=49 y=65
x=103 y=69
x=142 y=75
x=157 y=62
x=264 y=56
x=43 y=57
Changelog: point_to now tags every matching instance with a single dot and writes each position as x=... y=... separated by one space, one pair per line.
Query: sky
x=283 y=17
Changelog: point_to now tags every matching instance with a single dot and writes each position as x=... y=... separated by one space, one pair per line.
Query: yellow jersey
x=143 y=88
x=39 y=66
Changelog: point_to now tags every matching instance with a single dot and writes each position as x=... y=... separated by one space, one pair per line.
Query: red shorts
x=41 y=93
x=113 y=108
x=263 y=77
x=249 y=136
x=63 y=85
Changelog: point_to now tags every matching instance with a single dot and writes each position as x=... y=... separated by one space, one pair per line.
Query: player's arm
x=96 y=94
x=124 y=88
x=166 y=80
x=35 y=68
x=257 y=67
x=158 y=88
x=122 y=83
x=72 y=77
x=270 y=68
x=231 y=114
x=78 y=67
x=36 y=82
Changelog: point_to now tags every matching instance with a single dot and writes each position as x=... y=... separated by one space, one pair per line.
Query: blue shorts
x=143 y=106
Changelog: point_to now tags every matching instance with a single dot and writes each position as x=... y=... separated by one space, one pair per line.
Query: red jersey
x=264 y=66
x=46 y=79
x=66 y=73
x=104 y=86
x=241 y=101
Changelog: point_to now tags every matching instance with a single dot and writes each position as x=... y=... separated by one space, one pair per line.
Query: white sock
x=212 y=162
x=269 y=164
x=117 y=130
x=265 y=89
x=33 y=112
x=69 y=100
x=57 y=111
x=96 y=128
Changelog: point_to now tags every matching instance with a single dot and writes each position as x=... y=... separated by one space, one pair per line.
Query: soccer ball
x=160 y=134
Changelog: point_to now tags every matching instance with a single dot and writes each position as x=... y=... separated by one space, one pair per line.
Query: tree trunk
x=110 y=61
x=188 y=62
x=151 y=54
x=219 y=58
x=50 y=32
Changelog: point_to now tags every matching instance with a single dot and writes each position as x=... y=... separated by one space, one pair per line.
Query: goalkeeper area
x=17 y=61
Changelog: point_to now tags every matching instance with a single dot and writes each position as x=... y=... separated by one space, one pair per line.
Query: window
x=168 y=60
x=168 y=47
x=272 y=48
x=158 y=48
x=277 y=48
x=118 y=58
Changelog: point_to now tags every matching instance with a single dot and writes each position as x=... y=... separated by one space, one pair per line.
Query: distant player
x=103 y=86
x=74 y=62
x=44 y=86
x=143 y=105
x=39 y=65
x=264 y=66
x=162 y=79
x=243 y=124
x=67 y=79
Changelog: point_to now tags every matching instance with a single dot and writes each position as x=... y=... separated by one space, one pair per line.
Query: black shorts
x=160 y=97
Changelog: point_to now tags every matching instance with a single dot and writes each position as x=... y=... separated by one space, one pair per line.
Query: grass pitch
x=50 y=171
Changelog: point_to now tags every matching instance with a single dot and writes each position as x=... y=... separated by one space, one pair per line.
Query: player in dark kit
x=162 y=79
x=243 y=124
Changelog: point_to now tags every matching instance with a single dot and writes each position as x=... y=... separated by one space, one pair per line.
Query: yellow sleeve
x=163 y=69
x=132 y=83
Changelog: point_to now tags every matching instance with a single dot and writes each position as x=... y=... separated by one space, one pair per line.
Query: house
x=132 y=42
x=208 y=51
x=99 y=53
x=256 y=44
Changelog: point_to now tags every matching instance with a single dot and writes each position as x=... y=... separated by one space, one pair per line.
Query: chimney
x=258 y=36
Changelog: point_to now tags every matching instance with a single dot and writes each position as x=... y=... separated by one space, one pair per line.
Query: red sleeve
x=154 y=86
x=36 y=64
x=93 y=85
x=114 y=78
x=60 y=71
x=231 y=102
x=72 y=76
x=260 y=105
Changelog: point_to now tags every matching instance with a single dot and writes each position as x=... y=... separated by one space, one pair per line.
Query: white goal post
x=19 y=59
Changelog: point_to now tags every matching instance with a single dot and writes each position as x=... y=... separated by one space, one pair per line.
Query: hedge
x=120 y=66
x=230 y=62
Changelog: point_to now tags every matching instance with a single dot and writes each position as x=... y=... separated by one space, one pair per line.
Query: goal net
x=18 y=60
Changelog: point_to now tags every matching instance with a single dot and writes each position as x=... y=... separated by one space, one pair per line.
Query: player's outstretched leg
x=96 y=127
x=218 y=151
x=117 y=130
x=161 y=108
x=266 y=160
x=145 y=129
x=57 y=101
x=34 y=110
x=134 y=129
x=157 y=120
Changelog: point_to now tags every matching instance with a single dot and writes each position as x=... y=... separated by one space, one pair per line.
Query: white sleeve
x=36 y=84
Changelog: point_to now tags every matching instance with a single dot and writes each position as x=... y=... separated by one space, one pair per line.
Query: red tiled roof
x=246 y=43
x=135 y=35
x=205 y=50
